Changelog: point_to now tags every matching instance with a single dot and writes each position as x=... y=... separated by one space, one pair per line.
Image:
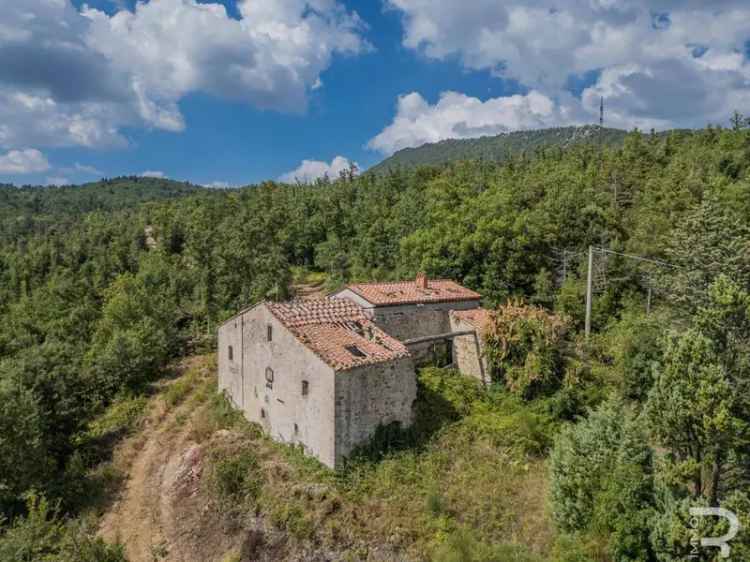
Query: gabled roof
x=338 y=332
x=414 y=292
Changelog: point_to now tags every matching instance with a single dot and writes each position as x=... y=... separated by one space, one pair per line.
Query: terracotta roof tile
x=337 y=331
x=409 y=292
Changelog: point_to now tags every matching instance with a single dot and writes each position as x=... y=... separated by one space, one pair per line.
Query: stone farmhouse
x=325 y=373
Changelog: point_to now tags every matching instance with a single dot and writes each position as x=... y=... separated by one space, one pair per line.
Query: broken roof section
x=476 y=317
x=420 y=291
x=337 y=331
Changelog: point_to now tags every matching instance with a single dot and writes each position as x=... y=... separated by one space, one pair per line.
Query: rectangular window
x=231 y=353
x=269 y=332
x=305 y=388
x=269 y=377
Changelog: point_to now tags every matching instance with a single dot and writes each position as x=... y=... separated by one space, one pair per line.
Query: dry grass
x=470 y=476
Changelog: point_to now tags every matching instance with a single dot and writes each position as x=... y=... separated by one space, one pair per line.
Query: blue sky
x=171 y=88
x=237 y=144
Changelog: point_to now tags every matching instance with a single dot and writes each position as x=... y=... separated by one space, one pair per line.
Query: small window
x=269 y=377
x=354 y=350
x=263 y=413
x=231 y=353
x=296 y=429
x=269 y=332
x=305 y=388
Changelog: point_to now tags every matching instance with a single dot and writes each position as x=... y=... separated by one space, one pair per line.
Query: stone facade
x=298 y=398
x=326 y=373
x=469 y=351
x=369 y=396
x=279 y=406
x=407 y=321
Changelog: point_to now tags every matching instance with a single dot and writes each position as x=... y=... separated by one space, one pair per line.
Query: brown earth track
x=162 y=491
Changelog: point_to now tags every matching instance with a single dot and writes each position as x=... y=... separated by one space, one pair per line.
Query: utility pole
x=589 y=283
x=589 y=280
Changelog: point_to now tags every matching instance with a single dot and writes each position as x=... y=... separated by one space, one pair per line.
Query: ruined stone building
x=413 y=310
x=326 y=373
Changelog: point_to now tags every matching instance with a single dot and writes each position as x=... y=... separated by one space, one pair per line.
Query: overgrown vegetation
x=98 y=295
x=526 y=348
x=469 y=475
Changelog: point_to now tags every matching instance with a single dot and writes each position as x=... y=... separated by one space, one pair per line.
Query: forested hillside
x=29 y=208
x=647 y=417
x=499 y=148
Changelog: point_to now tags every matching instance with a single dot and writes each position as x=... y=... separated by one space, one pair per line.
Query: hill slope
x=30 y=209
x=497 y=148
x=103 y=195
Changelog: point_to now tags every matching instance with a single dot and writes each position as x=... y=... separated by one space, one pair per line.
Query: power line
x=637 y=258
x=590 y=278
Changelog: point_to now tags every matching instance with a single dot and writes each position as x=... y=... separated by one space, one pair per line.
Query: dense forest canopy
x=101 y=285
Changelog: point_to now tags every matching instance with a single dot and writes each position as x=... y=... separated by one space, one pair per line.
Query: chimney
x=421 y=281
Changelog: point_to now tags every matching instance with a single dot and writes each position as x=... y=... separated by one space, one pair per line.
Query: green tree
x=602 y=480
x=24 y=459
x=708 y=242
x=44 y=536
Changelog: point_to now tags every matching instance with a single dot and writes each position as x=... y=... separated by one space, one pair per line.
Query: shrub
x=43 y=536
x=237 y=476
x=634 y=343
x=602 y=480
x=525 y=347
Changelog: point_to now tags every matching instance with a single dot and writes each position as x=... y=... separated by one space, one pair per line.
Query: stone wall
x=468 y=351
x=409 y=321
x=229 y=354
x=279 y=406
x=370 y=396
x=414 y=321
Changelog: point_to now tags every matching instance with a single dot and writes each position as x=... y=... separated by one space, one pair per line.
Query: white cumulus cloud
x=70 y=77
x=669 y=63
x=86 y=169
x=57 y=181
x=457 y=115
x=310 y=170
x=152 y=174
x=26 y=161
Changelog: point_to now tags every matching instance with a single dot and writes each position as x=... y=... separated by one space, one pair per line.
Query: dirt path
x=136 y=519
x=309 y=290
x=163 y=480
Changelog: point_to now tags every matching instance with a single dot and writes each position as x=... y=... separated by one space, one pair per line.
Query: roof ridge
x=429 y=280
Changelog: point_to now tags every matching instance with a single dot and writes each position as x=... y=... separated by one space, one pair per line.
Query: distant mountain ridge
x=29 y=209
x=499 y=147
x=104 y=195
